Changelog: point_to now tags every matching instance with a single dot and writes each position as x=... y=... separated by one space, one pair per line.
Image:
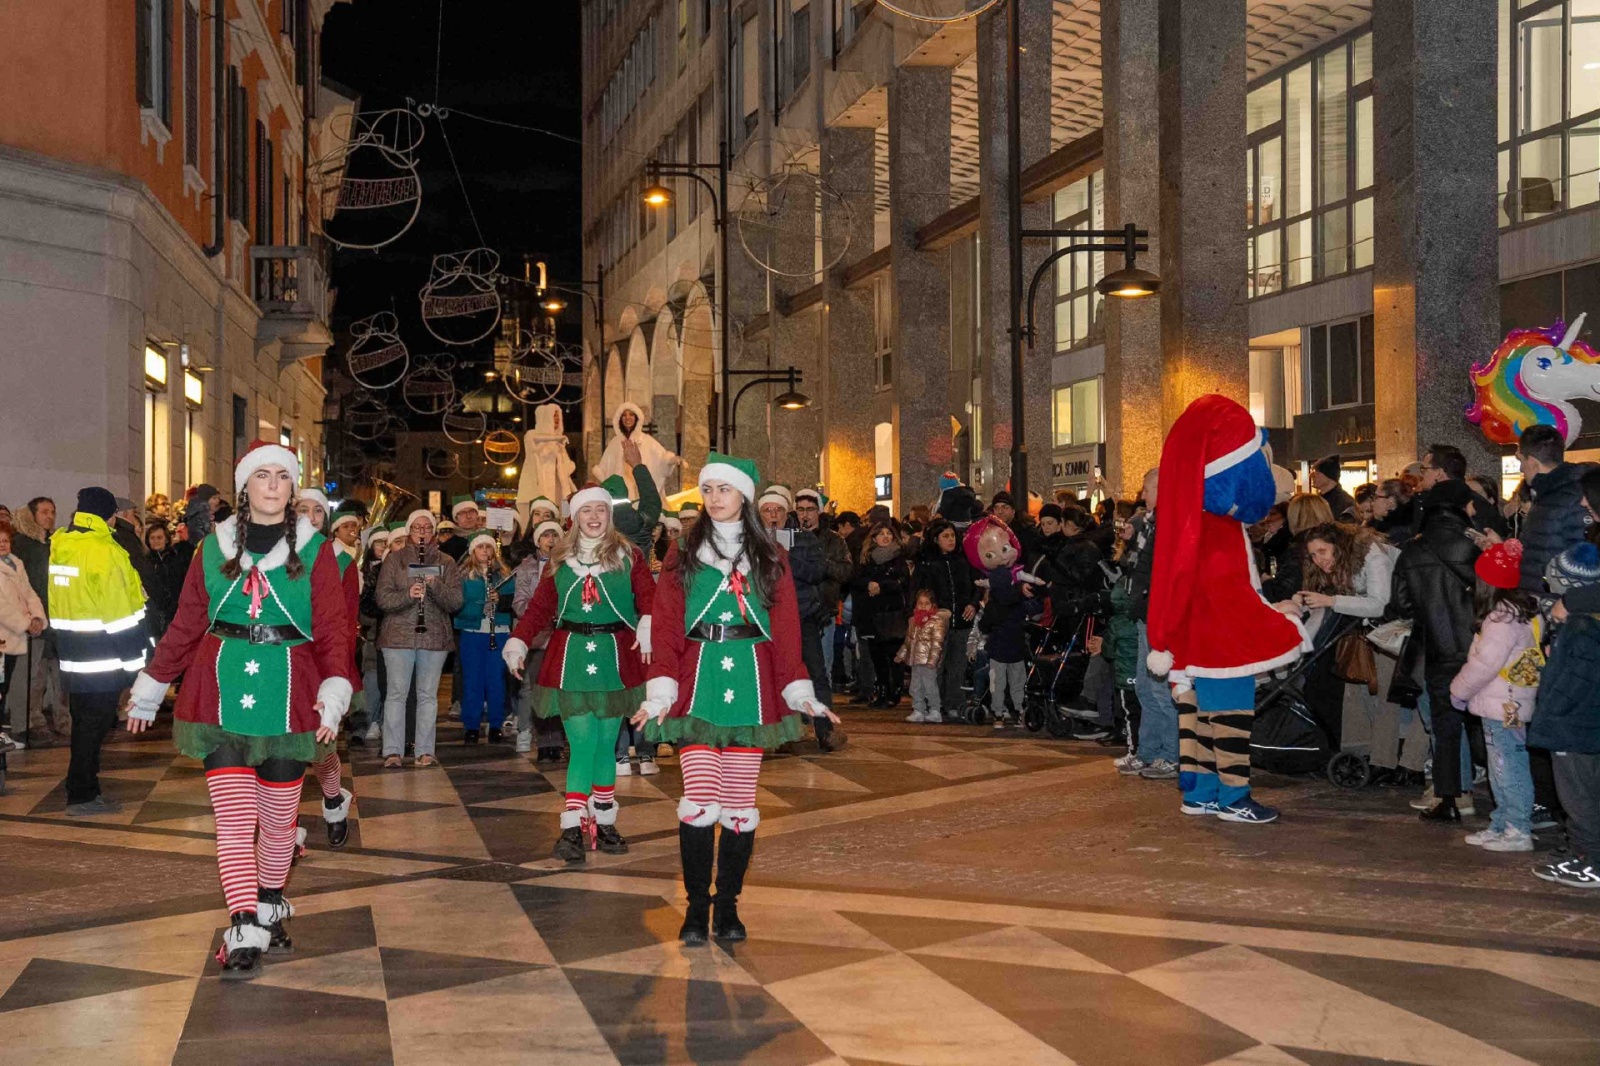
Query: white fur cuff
x=604 y=815
x=571 y=819
x=642 y=631
x=661 y=692
x=246 y=936
x=693 y=814
x=796 y=694
x=341 y=812
x=145 y=698
x=334 y=695
x=741 y=819
x=514 y=654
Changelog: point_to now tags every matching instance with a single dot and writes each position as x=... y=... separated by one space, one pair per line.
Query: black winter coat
x=836 y=564
x=1077 y=581
x=1567 y=716
x=806 y=564
x=1005 y=618
x=168 y=568
x=882 y=617
x=1341 y=503
x=1555 y=522
x=1138 y=561
x=1433 y=586
x=950 y=578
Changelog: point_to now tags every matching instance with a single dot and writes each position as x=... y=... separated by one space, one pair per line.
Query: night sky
x=514 y=61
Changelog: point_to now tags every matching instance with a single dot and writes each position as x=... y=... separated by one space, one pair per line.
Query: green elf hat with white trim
x=618 y=490
x=545 y=502
x=777 y=494
x=461 y=503
x=740 y=473
x=812 y=494
x=688 y=509
x=671 y=521
x=342 y=516
x=590 y=493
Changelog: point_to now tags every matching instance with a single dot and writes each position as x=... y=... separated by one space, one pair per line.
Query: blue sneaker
x=1199 y=807
x=1248 y=810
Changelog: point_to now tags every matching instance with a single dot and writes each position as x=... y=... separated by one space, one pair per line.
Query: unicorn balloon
x=1531 y=379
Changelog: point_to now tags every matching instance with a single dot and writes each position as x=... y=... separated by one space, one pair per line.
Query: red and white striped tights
x=724 y=776
x=328 y=773
x=255 y=832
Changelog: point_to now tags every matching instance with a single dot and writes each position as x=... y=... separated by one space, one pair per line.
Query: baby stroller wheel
x=1349 y=770
x=1034 y=714
x=977 y=712
x=1058 y=724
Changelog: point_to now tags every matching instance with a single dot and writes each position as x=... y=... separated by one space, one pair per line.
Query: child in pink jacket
x=1498 y=684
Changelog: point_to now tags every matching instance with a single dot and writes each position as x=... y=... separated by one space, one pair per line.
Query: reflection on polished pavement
x=928 y=895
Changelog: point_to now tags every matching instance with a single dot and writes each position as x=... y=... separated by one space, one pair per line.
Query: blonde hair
x=1307 y=510
x=614 y=553
x=469 y=564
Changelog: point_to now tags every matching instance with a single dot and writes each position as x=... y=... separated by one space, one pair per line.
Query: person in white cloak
x=628 y=421
x=546 y=464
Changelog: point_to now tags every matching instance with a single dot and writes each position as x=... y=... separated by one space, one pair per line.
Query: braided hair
x=231 y=568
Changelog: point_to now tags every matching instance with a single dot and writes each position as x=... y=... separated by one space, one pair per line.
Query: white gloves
x=334 y=695
x=642 y=632
x=514 y=654
x=145 y=698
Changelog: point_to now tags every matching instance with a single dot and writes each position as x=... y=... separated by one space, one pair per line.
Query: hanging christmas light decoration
x=368 y=189
x=429 y=389
x=461 y=426
x=461 y=301
x=377 y=357
x=502 y=447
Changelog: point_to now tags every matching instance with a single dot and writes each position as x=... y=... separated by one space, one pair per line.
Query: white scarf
x=728 y=538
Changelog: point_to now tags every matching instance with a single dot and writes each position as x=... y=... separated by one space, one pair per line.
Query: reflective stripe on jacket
x=96 y=608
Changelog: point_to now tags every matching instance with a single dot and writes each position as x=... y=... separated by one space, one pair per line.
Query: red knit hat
x=1501 y=565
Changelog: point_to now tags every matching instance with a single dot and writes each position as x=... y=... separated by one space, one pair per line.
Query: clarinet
x=422 y=618
x=491 y=601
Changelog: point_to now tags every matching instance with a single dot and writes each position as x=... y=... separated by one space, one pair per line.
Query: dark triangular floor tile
x=117 y=758
x=1126 y=954
x=1093 y=1018
x=126 y=792
x=183 y=769
x=409 y=973
x=908 y=934
x=49 y=981
x=770 y=961
x=317 y=934
x=165 y=811
x=577 y=924
x=375 y=807
x=650 y=1020
x=242 y=1023
x=488 y=786
x=1313 y=1057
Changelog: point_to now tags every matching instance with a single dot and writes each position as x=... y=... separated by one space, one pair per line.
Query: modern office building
x=163 y=292
x=1349 y=204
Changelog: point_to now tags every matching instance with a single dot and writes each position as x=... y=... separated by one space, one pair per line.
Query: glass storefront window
x=1262 y=106
x=1539 y=171
x=1550 y=75
x=1298 y=262
x=1363 y=149
x=1539 y=56
x=1335 y=241
x=1583 y=50
x=1361 y=245
x=1077 y=413
x=1297 y=138
x=1583 y=163
x=1080 y=205
x=1332 y=131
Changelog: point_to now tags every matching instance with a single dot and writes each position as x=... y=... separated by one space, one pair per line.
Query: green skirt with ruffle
x=562 y=703
x=687 y=729
x=199 y=739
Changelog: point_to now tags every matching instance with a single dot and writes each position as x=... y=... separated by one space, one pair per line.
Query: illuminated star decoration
x=247 y=701
x=727 y=662
x=252 y=668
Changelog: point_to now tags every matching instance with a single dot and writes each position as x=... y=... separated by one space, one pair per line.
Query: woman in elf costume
x=727 y=683
x=597 y=593
x=262 y=632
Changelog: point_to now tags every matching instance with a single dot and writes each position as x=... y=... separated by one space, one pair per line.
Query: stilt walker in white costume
x=547 y=465
x=628 y=421
x=727 y=683
x=262 y=631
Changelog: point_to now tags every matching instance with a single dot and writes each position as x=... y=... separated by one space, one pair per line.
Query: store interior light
x=658 y=195
x=194 y=389
x=1129 y=283
x=488 y=375
x=155 y=366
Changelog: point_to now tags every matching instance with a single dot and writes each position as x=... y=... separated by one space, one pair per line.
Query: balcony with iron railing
x=290 y=286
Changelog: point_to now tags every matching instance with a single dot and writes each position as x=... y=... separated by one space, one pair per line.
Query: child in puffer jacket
x=924 y=651
x=1498 y=684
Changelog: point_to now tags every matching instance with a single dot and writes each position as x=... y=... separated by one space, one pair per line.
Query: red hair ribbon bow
x=256 y=587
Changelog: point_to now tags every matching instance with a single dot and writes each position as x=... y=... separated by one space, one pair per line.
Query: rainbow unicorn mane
x=1503 y=406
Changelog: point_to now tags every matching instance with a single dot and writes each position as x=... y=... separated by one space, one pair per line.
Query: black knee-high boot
x=697 y=849
x=733 y=859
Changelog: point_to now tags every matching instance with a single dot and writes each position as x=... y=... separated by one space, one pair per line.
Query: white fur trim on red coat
x=227 y=532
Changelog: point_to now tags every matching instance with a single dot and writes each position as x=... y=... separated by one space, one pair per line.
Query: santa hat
x=420 y=513
x=776 y=494
x=546 y=527
x=482 y=538
x=687 y=508
x=461 y=503
x=1214 y=434
x=264 y=453
x=740 y=473
x=590 y=493
x=1500 y=565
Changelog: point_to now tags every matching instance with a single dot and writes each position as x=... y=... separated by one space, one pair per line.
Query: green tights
x=593 y=763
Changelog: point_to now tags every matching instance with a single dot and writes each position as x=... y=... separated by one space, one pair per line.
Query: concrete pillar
x=1038 y=433
x=845 y=373
x=1129 y=36
x=1205 y=321
x=750 y=344
x=796 y=435
x=1435 y=278
x=919 y=192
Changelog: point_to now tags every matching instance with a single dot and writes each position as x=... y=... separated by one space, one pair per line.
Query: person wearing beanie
x=1433 y=586
x=596 y=595
x=263 y=643
x=727 y=682
x=482 y=624
x=97 y=610
x=1325 y=479
x=418 y=593
x=1210 y=631
x=1498 y=684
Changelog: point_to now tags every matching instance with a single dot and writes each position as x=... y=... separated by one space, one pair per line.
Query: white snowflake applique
x=590 y=646
x=247 y=701
x=727 y=697
x=593 y=669
x=588 y=607
x=725 y=617
x=727 y=662
x=252 y=667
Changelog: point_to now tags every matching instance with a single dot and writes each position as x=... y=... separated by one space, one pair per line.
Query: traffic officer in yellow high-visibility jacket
x=97 y=612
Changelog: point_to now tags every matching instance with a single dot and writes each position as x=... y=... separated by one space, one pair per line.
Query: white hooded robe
x=546 y=465
x=662 y=464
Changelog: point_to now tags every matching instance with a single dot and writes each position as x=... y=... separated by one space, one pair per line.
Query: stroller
x=1286 y=737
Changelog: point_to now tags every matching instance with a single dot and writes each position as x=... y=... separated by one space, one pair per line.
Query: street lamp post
x=791 y=399
x=594 y=289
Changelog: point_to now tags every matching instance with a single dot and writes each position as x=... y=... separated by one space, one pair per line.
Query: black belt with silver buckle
x=256 y=633
x=590 y=628
x=712 y=632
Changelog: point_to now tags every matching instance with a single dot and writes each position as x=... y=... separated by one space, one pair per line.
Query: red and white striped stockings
x=255 y=832
x=328 y=773
x=719 y=783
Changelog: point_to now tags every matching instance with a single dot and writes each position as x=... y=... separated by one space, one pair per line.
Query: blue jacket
x=473 y=593
x=1555 y=522
x=1565 y=715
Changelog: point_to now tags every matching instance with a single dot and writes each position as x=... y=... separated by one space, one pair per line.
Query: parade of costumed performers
x=1210 y=629
x=597 y=593
x=728 y=681
x=483 y=623
x=262 y=639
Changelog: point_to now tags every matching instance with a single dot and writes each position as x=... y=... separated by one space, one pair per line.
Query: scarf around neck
x=724 y=549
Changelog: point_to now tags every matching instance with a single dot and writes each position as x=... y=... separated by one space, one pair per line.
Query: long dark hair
x=766 y=568
x=1350 y=547
x=1487 y=599
x=930 y=539
x=872 y=536
x=231 y=568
